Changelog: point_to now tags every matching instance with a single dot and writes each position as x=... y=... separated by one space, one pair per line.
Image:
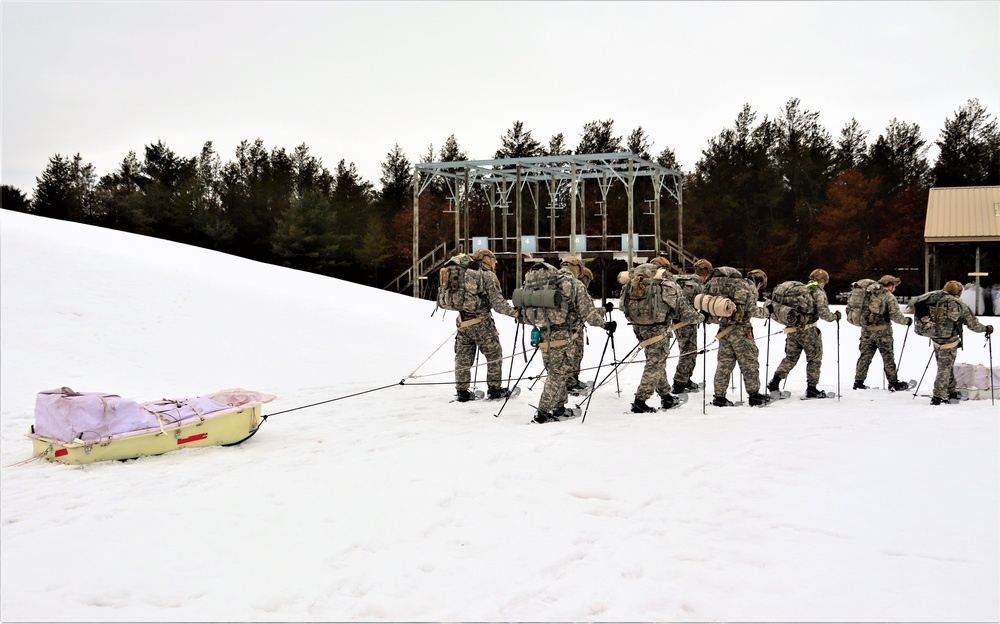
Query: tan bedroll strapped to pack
x=715 y=305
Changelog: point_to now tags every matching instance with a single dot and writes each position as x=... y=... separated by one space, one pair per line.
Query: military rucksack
x=728 y=283
x=691 y=285
x=459 y=284
x=936 y=315
x=792 y=303
x=545 y=298
x=649 y=296
x=862 y=309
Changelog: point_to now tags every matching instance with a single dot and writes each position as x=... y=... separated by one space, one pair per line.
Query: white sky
x=351 y=79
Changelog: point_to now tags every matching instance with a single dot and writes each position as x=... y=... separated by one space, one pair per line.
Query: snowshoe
x=688 y=386
x=777 y=395
x=503 y=393
x=671 y=401
x=464 y=396
x=639 y=407
x=818 y=394
x=759 y=400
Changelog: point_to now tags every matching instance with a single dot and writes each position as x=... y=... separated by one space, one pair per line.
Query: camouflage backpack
x=459 y=284
x=691 y=285
x=792 y=303
x=860 y=309
x=728 y=283
x=936 y=315
x=642 y=296
x=545 y=298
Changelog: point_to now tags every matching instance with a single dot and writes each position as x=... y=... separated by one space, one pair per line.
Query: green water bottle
x=536 y=336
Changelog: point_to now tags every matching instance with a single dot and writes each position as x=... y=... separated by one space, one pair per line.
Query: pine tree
x=638 y=143
x=518 y=143
x=557 y=146
x=397 y=182
x=898 y=159
x=65 y=189
x=970 y=149
x=306 y=237
x=14 y=199
x=851 y=146
x=598 y=138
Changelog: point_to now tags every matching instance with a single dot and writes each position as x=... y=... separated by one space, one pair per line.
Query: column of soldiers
x=735 y=339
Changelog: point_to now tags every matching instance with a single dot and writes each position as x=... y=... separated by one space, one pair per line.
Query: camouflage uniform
x=654 y=374
x=579 y=331
x=946 y=349
x=557 y=344
x=687 y=337
x=480 y=332
x=878 y=336
x=807 y=337
x=738 y=345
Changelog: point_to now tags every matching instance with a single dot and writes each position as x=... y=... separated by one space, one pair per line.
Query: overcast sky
x=351 y=79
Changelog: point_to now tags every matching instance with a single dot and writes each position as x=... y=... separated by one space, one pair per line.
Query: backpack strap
x=463 y=324
x=945 y=347
x=653 y=340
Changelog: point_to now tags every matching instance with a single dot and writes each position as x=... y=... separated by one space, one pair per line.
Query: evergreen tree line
x=776 y=193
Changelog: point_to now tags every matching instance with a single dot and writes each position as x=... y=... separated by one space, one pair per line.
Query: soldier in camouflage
x=477 y=331
x=946 y=349
x=579 y=331
x=557 y=346
x=737 y=346
x=876 y=334
x=687 y=333
x=655 y=342
x=807 y=337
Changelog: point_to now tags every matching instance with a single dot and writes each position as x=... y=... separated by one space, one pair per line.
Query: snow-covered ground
x=399 y=505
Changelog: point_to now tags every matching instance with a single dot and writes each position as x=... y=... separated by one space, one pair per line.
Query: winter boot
x=774 y=384
x=575 y=386
x=498 y=393
x=668 y=400
x=955 y=395
x=541 y=416
x=860 y=385
x=639 y=406
x=758 y=399
x=721 y=401
x=813 y=393
x=898 y=386
x=464 y=395
x=678 y=387
x=937 y=401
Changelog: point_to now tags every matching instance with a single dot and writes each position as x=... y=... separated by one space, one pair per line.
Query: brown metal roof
x=963 y=215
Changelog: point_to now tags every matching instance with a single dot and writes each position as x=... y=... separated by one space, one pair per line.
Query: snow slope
x=396 y=505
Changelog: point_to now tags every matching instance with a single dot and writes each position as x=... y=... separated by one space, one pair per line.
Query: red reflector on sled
x=194 y=438
x=62 y=452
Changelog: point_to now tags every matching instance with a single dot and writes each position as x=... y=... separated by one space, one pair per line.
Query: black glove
x=769 y=307
x=609 y=306
x=989 y=330
x=837 y=315
x=909 y=321
x=611 y=326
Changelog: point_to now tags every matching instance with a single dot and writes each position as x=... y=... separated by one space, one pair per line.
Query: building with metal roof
x=962 y=236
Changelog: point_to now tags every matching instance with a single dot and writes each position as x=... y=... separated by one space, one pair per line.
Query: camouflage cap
x=703 y=264
x=888 y=280
x=819 y=275
x=758 y=276
x=953 y=288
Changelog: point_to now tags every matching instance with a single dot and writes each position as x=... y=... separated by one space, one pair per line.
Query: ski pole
x=704 y=368
x=917 y=389
x=598 y=374
x=838 y=358
x=989 y=343
x=767 y=355
x=903 y=348
x=517 y=327
x=618 y=387
x=497 y=415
